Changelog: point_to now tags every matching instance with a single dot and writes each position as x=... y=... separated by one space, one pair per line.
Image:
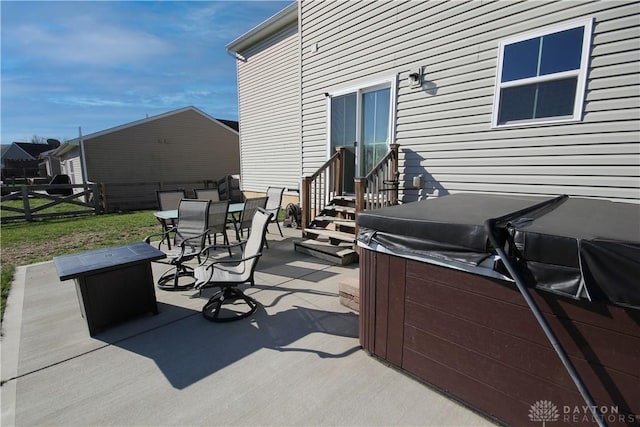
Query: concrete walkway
x=296 y=361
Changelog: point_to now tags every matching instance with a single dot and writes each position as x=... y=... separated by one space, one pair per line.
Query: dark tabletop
x=70 y=266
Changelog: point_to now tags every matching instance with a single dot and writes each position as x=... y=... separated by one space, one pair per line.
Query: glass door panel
x=343 y=134
x=375 y=128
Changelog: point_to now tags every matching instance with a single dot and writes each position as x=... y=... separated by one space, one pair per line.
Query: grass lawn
x=24 y=243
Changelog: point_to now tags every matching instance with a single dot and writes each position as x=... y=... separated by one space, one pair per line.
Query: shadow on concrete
x=191 y=348
x=296 y=272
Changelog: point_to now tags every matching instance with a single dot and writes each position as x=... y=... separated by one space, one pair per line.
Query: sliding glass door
x=361 y=121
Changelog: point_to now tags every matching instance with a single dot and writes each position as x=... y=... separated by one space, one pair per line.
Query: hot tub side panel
x=382 y=333
x=475 y=338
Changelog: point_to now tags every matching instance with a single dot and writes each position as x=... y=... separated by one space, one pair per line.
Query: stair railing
x=379 y=188
x=319 y=188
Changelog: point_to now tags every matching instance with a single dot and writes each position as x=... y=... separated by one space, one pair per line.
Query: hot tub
x=437 y=302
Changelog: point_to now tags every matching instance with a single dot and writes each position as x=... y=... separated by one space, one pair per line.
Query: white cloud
x=87 y=101
x=92 y=44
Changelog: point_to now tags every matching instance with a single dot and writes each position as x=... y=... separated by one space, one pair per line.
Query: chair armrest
x=183 y=244
x=203 y=284
x=234 y=261
x=199 y=236
x=205 y=251
x=165 y=235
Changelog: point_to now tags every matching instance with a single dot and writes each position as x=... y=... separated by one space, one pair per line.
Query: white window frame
x=580 y=73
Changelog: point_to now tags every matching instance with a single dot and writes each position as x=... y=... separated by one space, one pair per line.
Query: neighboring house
x=185 y=148
x=28 y=160
x=16 y=161
x=500 y=97
x=49 y=164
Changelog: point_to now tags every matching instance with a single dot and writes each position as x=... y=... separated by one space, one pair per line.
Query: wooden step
x=343 y=209
x=335 y=220
x=345 y=198
x=333 y=236
x=340 y=255
x=344 y=201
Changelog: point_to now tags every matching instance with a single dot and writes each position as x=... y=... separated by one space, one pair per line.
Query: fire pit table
x=113 y=284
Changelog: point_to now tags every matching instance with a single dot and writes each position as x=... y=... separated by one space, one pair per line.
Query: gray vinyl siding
x=444 y=128
x=269 y=113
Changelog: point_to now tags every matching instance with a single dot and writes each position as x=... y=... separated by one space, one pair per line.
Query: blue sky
x=99 y=64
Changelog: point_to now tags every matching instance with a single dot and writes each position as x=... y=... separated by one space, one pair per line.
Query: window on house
x=541 y=76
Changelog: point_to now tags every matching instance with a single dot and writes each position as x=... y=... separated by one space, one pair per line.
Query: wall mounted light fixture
x=415 y=79
x=417 y=181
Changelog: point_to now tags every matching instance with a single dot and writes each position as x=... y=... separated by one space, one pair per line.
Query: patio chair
x=274 y=202
x=207 y=194
x=190 y=234
x=229 y=188
x=218 y=213
x=246 y=216
x=229 y=274
x=169 y=200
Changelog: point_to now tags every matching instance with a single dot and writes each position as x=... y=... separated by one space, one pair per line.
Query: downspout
x=83 y=159
x=490 y=226
x=237 y=57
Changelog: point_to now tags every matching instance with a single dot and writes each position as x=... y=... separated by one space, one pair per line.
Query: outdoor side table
x=113 y=284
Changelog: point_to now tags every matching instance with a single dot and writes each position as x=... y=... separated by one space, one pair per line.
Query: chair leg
x=211 y=310
x=225 y=239
x=165 y=227
x=279 y=229
x=170 y=279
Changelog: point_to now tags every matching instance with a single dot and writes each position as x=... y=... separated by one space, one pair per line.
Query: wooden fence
x=59 y=200
x=93 y=198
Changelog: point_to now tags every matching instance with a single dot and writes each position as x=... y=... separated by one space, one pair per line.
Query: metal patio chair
x=190 y=234
x=169 y=200
x=207 y=194
x=246 y=216
x=274 y=202
x=228 y=274
x=218 y=213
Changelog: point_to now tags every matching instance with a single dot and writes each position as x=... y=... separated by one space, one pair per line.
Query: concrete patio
x=296 y=361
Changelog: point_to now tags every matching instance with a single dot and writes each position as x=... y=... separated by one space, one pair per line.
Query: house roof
x=34 y=150
x=14 y=152
x=277 y=22
x=233 y=124
x=24 y=150
x=69 y=145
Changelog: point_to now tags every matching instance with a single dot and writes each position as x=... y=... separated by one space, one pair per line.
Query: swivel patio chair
x=190 y=234
x=229 y=274
x=274 y=202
